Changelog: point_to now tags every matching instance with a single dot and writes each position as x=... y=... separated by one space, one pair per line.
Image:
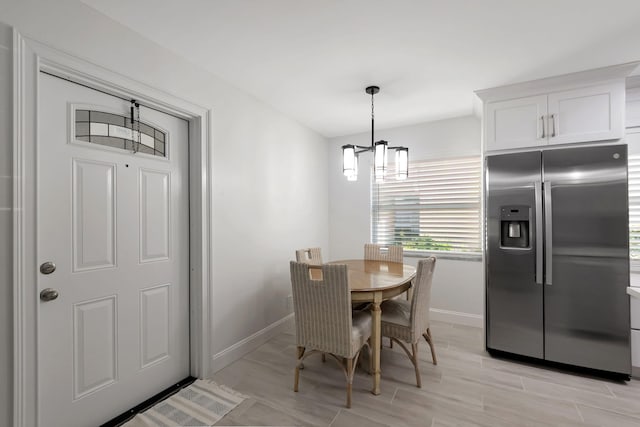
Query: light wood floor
x=467 y=388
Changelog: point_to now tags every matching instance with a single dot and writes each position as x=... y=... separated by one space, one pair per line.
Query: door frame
x=30 y=57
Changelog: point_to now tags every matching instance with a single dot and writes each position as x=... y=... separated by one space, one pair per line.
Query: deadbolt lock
x=47 y=267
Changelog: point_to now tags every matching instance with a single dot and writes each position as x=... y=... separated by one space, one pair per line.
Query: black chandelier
x=351 y=152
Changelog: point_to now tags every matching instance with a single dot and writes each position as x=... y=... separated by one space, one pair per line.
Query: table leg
x=375 y=342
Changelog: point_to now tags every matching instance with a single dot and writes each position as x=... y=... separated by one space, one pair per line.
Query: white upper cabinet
x=572 y=108
x=592 y=113
x=633 y=108
x=587 y=114
x=517 y=122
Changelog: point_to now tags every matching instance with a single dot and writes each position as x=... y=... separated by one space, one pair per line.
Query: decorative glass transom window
x=117 y=131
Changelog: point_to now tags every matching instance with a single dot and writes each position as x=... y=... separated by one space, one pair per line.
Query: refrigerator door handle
x=538 y=213
x=548 y=232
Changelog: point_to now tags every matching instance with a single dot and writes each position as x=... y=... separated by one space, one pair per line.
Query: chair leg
x=370 y=358
x=349 y=381
x=427 y=336
x=324 y=357
x=390 y=343
x=414 y=359
x=300 y=353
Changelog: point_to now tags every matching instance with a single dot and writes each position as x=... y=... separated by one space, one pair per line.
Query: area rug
x=202 y=403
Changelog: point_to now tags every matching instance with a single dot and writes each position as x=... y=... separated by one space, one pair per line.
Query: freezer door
x=586 y=305
x=513 y=298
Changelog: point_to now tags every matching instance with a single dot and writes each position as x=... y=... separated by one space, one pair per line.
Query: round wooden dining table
x=375 y=282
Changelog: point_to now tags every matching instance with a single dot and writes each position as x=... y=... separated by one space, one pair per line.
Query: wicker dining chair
x=391 y=253
x=311 y=256
x=406 y=321
x=375 y=252
x=324 y=320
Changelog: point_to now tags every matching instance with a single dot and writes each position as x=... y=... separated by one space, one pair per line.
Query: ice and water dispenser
x=514 y=226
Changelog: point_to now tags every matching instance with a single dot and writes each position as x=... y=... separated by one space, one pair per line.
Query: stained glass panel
x=113 y=130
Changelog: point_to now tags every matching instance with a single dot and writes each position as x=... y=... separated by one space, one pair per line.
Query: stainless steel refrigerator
x=557 y=263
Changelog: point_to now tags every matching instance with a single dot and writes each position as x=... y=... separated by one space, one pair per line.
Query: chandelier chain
x=138 y=127
x=135 y=126
x=372 y=106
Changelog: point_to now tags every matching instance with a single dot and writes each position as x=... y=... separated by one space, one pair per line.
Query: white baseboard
x=250 y=343
x=457 y=317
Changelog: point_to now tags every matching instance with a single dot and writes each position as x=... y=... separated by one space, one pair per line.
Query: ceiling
x=312 y=59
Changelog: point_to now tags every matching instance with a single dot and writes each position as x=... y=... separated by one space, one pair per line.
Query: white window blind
x=436 y=209
x=634 y=206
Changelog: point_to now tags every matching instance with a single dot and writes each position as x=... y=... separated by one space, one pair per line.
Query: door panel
x=115 y=223
x=94 y=345
x=586 y=306
x=154 y=215
x=514 y=299
x=93 y=215
x=154 y=324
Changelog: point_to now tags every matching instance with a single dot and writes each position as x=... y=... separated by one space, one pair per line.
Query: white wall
x=6 y=222
x=270 y=191
x=457 y=285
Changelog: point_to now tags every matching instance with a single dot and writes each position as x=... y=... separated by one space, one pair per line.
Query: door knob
x=48 y=294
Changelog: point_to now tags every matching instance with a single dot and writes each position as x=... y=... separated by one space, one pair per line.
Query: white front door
x=115 y=224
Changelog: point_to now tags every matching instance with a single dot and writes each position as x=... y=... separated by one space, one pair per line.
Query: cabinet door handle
x=553 y=125
x=543 y=136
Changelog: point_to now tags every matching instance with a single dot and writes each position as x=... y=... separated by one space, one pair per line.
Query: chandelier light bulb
x=354 y=175
x=349 y=161
x=380 y=160
x=402 y=163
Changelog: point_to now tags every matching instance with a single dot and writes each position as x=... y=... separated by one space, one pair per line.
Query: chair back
x=421 y=297
x=391 y=253
x=322 y=309
x=309 y=256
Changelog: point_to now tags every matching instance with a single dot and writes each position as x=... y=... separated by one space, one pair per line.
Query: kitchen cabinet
x=633 y=108
x=635 y=350
x=587 y=114
x=634 y=291
x=516 y=123
x=592 y=113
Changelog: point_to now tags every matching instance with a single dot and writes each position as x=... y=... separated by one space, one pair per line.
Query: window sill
x=456 y=256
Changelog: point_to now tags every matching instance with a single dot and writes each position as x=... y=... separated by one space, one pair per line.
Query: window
x=436 y=209
x=114 y=130
x=634 y=207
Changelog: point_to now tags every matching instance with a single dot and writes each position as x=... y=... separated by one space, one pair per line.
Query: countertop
x=634 y=291
x=634 y=288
